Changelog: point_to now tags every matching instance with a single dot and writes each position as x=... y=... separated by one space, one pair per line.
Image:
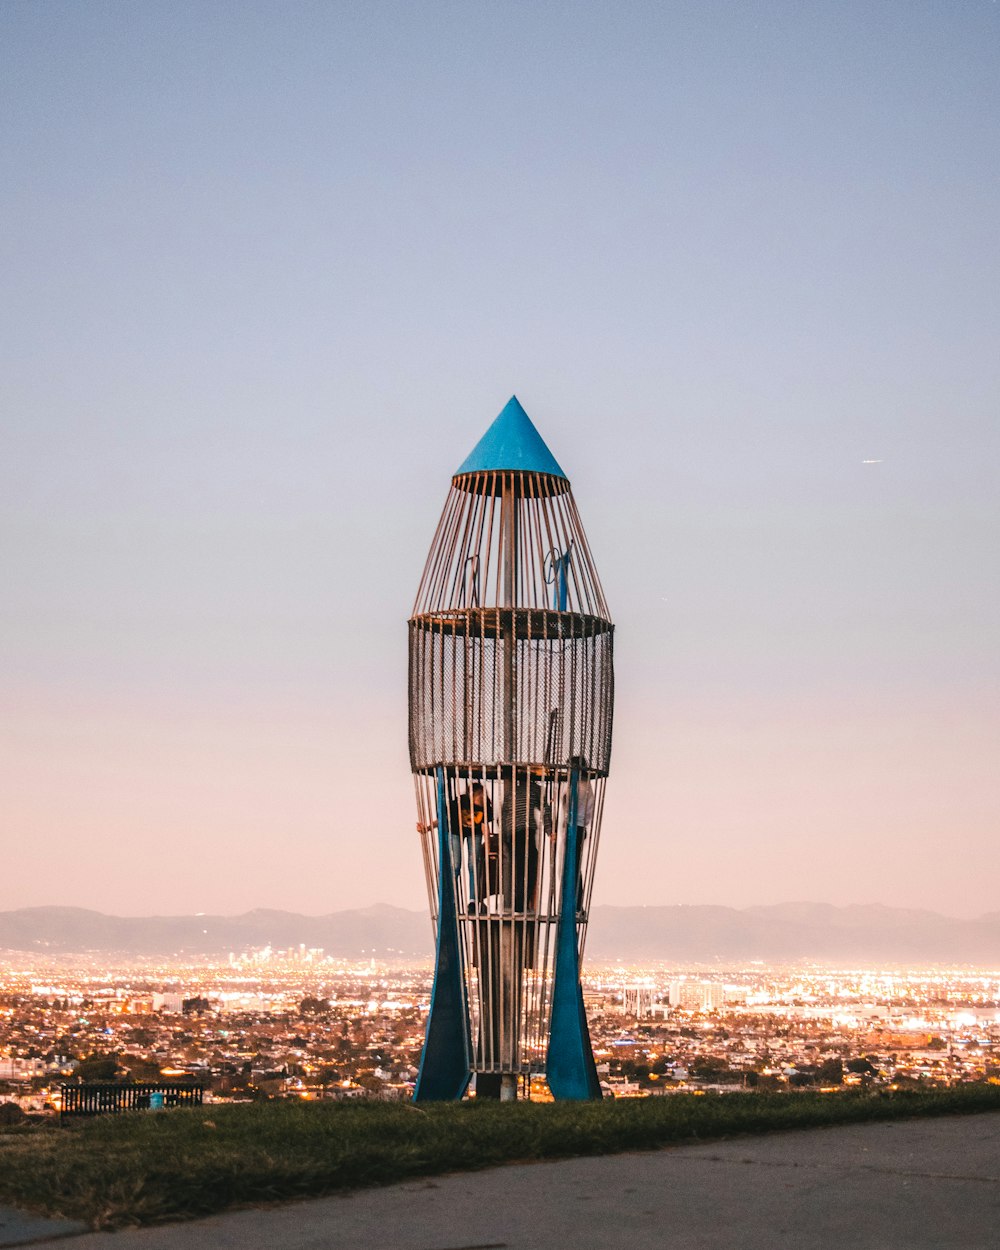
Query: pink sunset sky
x=271 y=272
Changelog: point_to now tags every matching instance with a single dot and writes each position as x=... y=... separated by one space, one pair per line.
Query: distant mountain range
x=788 y=931
x=367 y=930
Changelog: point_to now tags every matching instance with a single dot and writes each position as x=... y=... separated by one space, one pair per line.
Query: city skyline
x=285 y=1024
x=706 y=934
x=271 y=276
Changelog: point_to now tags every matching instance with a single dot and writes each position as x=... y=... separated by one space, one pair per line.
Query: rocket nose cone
x=511 y=443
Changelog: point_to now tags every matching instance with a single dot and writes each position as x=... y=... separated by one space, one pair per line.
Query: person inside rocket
x=522 y=813
x=470 y=817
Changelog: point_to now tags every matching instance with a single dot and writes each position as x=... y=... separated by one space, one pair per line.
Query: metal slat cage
x=511 y=688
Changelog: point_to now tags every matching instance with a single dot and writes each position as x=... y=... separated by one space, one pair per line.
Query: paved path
x=19 y=1229
x=909 y=1185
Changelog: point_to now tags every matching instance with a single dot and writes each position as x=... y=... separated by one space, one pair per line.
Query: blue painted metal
x=557 y=573
x=512 y=443
x=569 y=1066
x=446 y=1063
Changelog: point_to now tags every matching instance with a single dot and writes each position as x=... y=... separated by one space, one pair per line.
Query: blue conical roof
x=511 y=443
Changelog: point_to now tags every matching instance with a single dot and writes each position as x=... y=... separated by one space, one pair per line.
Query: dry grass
x=147 y=1167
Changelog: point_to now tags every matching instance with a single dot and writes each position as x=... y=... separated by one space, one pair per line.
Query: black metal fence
x=109 y=1099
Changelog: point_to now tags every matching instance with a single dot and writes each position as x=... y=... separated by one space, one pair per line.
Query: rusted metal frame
x=575 y=574
x=561 y=694
x=596 y=710
x=550 y=648
x=507 y=990
x=546 y=520
x=449 y=739
x=531 y=834
x=583 y=702
x=523 y=596
x=433 y=593
x=476 y=552
x=521 y=672
x=423 y=667
x=418 y=674
x=481 y=888
x=542 y=941
x=582 y=671
x=430 y=561
x=506 y=996
x=538 y=511
x=592 y=681
x=434 y=724
x=418 y=754
x=566 y=537
x=413 y=722
x=526 y=590
x=601 y=607
x=534 y=579
x=543 y=520
x=466 y=693
x=556 y=542
x=433 y=727
x=554 y=660
x=576 y=583
x=557 y=849
x=492 y=997
x=529 y=598
x=559 y=540
x=540 y=651
x=465 y=885
x=456 y=594
x=451 y=555
x=436 y=598
x=607 y=698
x=472 y=738
x=528 y=528
x=487 y=569
x=427 y=855
x=592 y=594
x=606 y=652
x=454 y=568
x=488 y=563
x=508 y=543
x=485 y=520
x=545 y=952
x=594 y=838
x=468 y=935
x=428 y=849
x=469 y=550
x=430 y=809
x=535 y=559
x=439 y=754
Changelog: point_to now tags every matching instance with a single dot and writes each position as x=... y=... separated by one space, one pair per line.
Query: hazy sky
x=269 y=270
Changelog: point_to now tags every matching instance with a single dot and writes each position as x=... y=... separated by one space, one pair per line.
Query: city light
x=270 y=1023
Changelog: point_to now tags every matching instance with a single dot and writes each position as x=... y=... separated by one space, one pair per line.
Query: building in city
x=697 y=995
x=637 y=1000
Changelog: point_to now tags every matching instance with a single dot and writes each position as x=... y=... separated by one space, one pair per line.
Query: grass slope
x=146 y=1168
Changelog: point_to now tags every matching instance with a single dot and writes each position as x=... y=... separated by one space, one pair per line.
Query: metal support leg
x=570 y=1066
x=445 y=1068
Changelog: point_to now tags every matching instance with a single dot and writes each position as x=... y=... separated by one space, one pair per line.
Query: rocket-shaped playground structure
x=511 y=691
